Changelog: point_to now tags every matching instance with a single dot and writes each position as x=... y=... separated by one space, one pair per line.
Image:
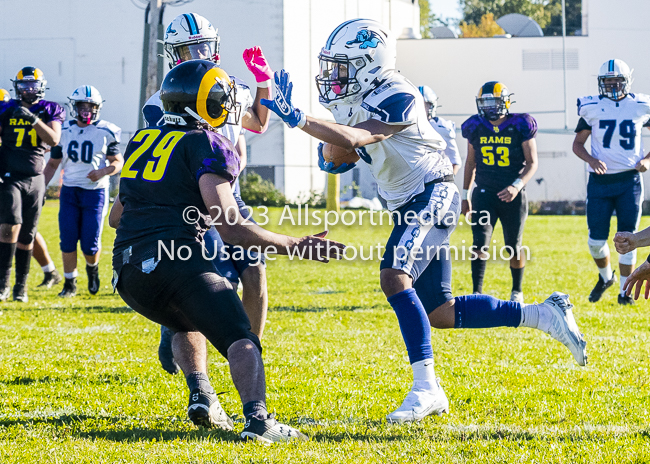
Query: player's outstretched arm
x=365 y=133
x=581 y=152
x=256 y=119
x=628 y=241
x=234 y=229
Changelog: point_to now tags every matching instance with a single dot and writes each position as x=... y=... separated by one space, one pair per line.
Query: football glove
x=257 y=64
x=281 y=103
x=23 y=113
x=328 y=166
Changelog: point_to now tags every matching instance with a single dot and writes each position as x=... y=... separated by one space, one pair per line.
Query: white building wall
x=78 y=42
x=456 y=68
x=308 y=24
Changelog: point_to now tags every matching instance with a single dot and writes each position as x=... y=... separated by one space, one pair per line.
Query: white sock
x=606 y=273
x=49 y=267
x=71 y=275
x=623 y=279
x=529 y=316
x=92 y=265
x=423 y=371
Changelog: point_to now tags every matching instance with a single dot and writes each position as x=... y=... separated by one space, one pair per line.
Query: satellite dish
x=518 y=25
x=443 y=32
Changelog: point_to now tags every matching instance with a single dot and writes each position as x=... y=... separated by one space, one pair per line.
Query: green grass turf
x=80 y=380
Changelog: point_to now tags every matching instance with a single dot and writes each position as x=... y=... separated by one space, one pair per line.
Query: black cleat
x=270 y=431
x=625 y=300
x=50 y=279
x=20 y=293
x=4 y=292
x=165 y=353
x=600 y=288
x=69 y=288
x=204 y=410
x=93 y=279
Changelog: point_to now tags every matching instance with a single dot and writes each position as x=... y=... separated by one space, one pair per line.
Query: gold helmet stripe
x=209 y=79
x=19 y=76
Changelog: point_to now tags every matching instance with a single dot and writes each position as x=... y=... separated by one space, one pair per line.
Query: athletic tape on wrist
x=302 y=121
x=265 y=84
x=518 y=184
x=465 y=194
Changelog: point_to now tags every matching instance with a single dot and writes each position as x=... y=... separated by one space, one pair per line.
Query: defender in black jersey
x=503 y=155
x=174 y=177
x=28 y=125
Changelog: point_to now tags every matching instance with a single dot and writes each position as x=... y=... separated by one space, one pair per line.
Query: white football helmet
x=359 y=55
x=430 y=100
x=615 y=69
x=191 y=37
x=88 y=112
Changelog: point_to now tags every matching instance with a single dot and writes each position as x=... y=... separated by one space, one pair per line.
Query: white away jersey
x=153 y=111
x=84 y=149
x=447 y=129
x=615 y=129
x=402 y=163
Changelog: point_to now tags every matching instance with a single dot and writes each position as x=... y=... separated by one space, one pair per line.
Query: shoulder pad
x=154 y=100
x=239 y=83
x=470 y=125
x=584 y=102
x=115 y=131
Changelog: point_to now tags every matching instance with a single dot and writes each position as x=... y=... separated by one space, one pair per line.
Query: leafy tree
x=487 y=27
x=427 y=19
x=547 y=13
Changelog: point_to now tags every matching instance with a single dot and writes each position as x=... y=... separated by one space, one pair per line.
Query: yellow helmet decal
x=211 y=76
x=38 y=74
x=4 y=95
x=19 y=76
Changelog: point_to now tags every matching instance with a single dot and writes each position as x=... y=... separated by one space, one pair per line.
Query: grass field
x=80 y=380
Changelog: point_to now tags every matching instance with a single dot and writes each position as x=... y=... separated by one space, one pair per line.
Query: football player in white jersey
x=614 y=119
x=88 y=153
x=382 y=116
x=444 y=127
x=190 y=36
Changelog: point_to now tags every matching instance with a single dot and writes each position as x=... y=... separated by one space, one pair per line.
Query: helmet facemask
x=30 y=91
x=201 y=49
x=492 y=108
x=614 y=88
x=337 y=78
x=85 y=111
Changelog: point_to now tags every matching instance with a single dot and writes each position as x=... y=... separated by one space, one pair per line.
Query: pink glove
x=257 y=64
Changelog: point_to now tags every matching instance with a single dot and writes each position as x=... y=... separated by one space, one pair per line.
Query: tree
x=487 y=27
x=427 y=19
x=547 y=13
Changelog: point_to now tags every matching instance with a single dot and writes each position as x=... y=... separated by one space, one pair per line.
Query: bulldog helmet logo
x=366 y=39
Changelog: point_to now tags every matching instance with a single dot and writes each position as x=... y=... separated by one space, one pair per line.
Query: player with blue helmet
x=381 y=115
x=614 y=119
x=444 y=127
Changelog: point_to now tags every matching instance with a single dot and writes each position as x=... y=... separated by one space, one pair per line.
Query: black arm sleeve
x=582 y=125
x=113 y=149
x=56 y=152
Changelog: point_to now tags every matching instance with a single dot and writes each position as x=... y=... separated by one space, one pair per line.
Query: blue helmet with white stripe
x=358 y=56
x=614 y=79
x=191 y=37
x=85 y=104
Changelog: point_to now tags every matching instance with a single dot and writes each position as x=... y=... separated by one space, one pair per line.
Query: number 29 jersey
x=160 y=180
x=84 y=149
x=498 y=149
x=615 y=129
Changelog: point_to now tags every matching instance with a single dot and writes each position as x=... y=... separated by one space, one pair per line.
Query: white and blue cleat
x=563 y=326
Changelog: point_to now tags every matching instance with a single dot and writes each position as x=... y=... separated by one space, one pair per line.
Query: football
x=338 y=155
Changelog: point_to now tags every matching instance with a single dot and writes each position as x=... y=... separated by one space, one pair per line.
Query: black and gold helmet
x=199 y=89
x=29 y=84
x=4 y=95
x=493 y=100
